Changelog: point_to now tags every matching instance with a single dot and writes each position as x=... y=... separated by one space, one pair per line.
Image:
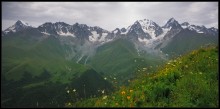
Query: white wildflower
x=74 y=90
x=104 y=97
x=103 y=91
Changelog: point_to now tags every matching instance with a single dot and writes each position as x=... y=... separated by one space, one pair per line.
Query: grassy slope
x=187 y=81
x=186 y=41
x=25 y=60
x=120 y=59
x=19 y=54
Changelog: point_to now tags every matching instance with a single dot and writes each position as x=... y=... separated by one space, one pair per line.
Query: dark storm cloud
x=109 y=15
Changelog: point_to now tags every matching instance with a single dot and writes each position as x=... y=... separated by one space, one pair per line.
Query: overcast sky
x=109 y=15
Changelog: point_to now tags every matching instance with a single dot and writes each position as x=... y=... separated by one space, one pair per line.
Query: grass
x=120 y=59
x=186 y=41
x=34 y=85
x=24 y=54
x=187 y=81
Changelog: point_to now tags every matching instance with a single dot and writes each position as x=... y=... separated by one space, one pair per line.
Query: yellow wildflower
x=128 y=97
x=123 y=92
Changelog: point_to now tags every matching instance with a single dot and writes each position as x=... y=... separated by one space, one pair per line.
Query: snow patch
x=94 y=37
x=184 y=27
x=115 y=31
x=45 y=33
x=192 y=27
x=103 y=37
x=195 y=28
x=154 y=40
x=200 y=32
x=61 y=33
x=24 y=23
x=148 y=26
x=127 y=30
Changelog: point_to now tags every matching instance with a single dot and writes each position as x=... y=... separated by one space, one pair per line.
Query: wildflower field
x=190 y=80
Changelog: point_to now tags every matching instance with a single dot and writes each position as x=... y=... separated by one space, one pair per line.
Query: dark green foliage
x=40 y=92
x=90 y=82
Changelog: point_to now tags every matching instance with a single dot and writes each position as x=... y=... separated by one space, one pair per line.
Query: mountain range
x=37 y=60
x=143 y=33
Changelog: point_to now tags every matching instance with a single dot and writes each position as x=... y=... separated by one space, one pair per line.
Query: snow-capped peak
x=213 y=29
x=20 y=22
x=115 y=31
x=172 y=19
x=80 y=25
x=185 y=25
x=150 y=27
x=172 y=23
x=146 y=23
x=18 y=26
x=57 y=28
x=198 y=29
x=61 y=23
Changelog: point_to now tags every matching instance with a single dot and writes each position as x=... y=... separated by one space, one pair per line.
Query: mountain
x=81 y=43
x=59 y=28
x=81 y=32
x=143 y=32
x=18 y=26
x=172 y=24
x=59 y=56
x=185 y=25
x=35 y=65
x=144 y=29
x=186 y=41
x=187 y=37
x=200 y=29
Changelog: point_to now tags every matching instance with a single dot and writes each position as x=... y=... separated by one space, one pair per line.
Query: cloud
x=109 y=15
